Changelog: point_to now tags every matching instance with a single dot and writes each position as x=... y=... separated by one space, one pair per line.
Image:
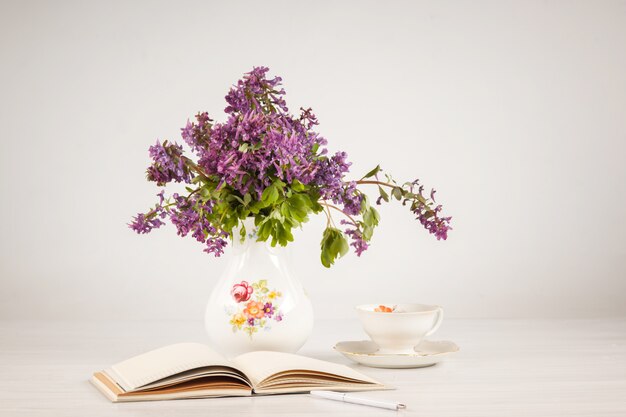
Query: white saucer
x=427 y=353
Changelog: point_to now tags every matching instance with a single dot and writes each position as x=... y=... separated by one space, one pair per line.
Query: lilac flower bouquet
x=267 y=163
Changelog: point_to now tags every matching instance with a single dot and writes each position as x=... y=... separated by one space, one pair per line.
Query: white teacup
x=399 y=331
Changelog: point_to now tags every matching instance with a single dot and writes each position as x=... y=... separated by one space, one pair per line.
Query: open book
x=193 y=370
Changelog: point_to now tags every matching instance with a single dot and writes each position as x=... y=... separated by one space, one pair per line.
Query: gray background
x=514 y=111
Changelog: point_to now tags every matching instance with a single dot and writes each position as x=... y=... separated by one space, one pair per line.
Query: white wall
x=514 y=111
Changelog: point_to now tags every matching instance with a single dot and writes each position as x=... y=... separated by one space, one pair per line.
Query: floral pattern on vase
x=257 y=307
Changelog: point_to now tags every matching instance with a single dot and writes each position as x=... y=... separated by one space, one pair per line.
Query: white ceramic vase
x=257 y=304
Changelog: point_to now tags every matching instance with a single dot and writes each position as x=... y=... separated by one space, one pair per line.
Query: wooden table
x=505 y=368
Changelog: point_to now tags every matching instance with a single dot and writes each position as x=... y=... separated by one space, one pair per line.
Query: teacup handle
x=437 y=323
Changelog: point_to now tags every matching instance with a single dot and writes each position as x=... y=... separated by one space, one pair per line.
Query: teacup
x=397 y=329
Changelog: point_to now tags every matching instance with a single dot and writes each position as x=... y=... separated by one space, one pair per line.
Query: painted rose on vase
x=241 y=292
x=257 y=307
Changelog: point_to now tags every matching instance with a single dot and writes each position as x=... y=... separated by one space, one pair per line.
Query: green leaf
x=371 y=217
x=368 y=231
x=334 y=245
x=232 y=197
x=277 y=215
x=397 y=193
x=365 y=203
x=270 y=195
x=297 y=207
x=282 y=234
x=230 y=222
x=314 y=197
x=243 y=213
x=383 y=194
x=288 y=235
x=264 y=230
x=340 y=245
x=372 y=172
x=297 y=186
x=205 y=193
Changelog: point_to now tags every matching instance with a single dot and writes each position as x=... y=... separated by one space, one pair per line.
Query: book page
x=157 y=364
x=262 y=365
x=210 y=387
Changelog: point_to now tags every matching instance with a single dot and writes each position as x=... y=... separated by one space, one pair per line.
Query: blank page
x=160 y=363
x=261 y=365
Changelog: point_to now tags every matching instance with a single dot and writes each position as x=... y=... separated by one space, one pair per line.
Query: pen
x=348 y=398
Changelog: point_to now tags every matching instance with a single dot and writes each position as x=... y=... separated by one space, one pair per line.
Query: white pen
x=349 y=398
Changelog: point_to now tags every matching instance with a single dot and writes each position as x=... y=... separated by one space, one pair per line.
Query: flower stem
x=195 y=167
x=339 y=210
x=192 y=193
x=376 y=183
x=328 y=216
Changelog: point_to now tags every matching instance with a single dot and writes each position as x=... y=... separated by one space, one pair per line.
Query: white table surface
x=505 y=368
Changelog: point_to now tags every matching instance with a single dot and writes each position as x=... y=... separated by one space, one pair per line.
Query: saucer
x=427 y=353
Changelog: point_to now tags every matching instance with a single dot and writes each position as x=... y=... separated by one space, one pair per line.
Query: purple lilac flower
x=260 y=140
x=308 y=118
x=438 y=226
x=428 y=217
x=188 y=217
x=216 y=246
x=358 y=243
x=168 y=164
x=268 y=309
x=196 y=135
x=143 y=224
x=329 y=177
x=251 y=321
x=278 y=317
x=329 y=174
x=351 y=199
